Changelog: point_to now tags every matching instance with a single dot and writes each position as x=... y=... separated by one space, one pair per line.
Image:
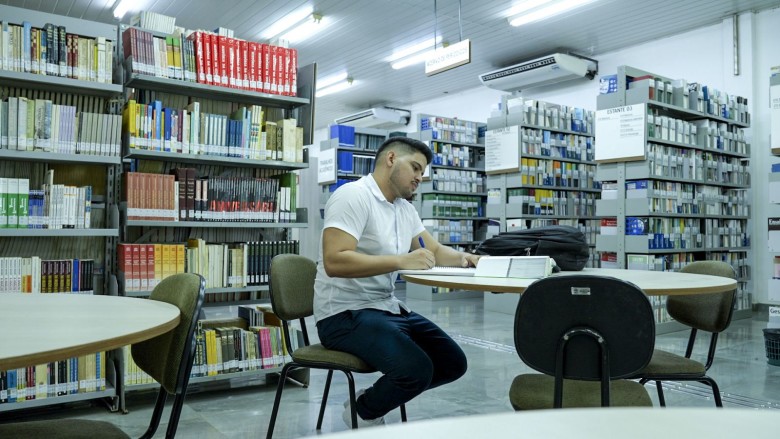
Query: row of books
x=51 y=50
x=556 y=173
x=233 y=265
x=40 y=125
x=447 y=128
x=457 y=180
x=350 y=163
x=34 y=275
x=549 y=115
x=215 y=60
x=82 y=374
x=453 y=205
x=691 y=164
x=243 y=134
x=692 y=96
x=550 y=202
x=447 y=154
x=702 y=133
x=161 y=197
x=556 y=145
x=450 y=231
x=56 y=206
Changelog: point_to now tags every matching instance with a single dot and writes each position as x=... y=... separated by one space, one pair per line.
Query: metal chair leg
x=352 y=399
x=278 y=399
x=403 y=412
x=660 y=387
x=324 y=399
x=715 y=390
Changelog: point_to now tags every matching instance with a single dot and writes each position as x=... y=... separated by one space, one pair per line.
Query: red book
x=208 y=65
x=223 y=58
x=232 y=61
x=265 y=68
x=251 y=66
x=293 y=72
x=243 y=58
x=143 y=267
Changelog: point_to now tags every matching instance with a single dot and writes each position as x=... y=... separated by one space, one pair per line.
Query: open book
x=443 y=271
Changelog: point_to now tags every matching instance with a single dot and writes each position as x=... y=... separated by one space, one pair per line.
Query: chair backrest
x=168 y=357
x=292 y=286
x=613 y=309
x=706 y=312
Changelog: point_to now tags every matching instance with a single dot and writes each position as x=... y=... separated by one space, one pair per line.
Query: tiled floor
x=740 y=368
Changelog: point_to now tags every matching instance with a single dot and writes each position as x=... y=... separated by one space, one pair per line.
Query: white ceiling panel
x=362 y=33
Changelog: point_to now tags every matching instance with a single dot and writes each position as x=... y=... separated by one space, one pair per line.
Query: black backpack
x=565 y=244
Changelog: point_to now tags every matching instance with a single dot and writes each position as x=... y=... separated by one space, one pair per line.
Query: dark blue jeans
x=412 y=353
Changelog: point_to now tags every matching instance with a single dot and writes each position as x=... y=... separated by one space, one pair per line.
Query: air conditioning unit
x=379 y=117
x=546 y=70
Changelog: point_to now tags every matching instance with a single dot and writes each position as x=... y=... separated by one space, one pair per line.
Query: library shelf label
x=623 y=130
x=501 y=150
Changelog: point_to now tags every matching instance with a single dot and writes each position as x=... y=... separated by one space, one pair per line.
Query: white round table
x=40 y=328
x=590 y=423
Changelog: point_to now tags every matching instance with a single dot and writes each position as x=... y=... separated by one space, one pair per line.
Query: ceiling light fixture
x=295 y=27
x=327 y=81
x=335 y=88
x=535 y=10
x=414 y=54
x=120 y=8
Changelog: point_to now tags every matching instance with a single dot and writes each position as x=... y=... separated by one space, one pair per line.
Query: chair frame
x=292 y=365
x=704 y=379
x=602 y=372
x=183 y=376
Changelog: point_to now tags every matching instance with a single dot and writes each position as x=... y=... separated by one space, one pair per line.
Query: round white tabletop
x=653 y=283
x=590 y=423
x=39 y=328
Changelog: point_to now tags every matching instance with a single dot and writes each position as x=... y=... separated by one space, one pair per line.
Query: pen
x=422 y=243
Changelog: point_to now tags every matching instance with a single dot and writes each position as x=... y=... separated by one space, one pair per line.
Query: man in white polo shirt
x=370 y=232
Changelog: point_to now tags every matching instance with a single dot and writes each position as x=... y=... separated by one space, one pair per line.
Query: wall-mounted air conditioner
x=378 y=117
x=546 y=70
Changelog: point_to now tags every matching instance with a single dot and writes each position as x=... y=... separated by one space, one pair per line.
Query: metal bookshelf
x=203 y=159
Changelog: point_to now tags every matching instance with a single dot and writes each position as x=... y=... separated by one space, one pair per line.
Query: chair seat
x=62 y=429
x=536 y=391
x=666 y=363
x=317 y=355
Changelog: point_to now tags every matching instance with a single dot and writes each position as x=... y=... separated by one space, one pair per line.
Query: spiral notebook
x=443 y=271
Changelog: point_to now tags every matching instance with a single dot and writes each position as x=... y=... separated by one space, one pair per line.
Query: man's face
x=407 y=173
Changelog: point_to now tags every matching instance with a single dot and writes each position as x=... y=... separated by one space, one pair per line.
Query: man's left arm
x=445 y=256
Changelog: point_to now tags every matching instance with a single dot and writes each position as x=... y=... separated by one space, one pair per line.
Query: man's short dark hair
x=406 y=146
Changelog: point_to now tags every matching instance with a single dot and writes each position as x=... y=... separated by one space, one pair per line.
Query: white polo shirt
x=381 y=228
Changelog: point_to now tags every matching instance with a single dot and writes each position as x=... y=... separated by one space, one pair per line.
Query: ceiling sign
x=449 y=57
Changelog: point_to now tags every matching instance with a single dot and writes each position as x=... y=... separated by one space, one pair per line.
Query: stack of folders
x=523 y=267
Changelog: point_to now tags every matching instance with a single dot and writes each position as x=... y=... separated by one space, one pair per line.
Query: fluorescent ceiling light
x=425 y=45
x=120 y=8
x=311 y=25
x=288 y=22
x=540 y=13
x=524 y=6
x=332 y=79
x=412 y=60
x=335 y=88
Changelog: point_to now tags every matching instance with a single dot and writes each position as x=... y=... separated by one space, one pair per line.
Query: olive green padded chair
x=292 y=298
x=167 y=358
x=702 y=312
x=584 y=334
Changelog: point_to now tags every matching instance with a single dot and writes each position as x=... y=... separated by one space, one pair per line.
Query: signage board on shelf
x=774 y=102
x=502 y=150
x=622 y=133
x=326 y=166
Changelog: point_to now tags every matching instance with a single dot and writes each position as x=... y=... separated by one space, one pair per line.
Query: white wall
x=702 y=55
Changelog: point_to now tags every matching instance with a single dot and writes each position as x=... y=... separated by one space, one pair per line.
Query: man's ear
x=391 y=158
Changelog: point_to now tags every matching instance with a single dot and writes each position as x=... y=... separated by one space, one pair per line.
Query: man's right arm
x=342 y=260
